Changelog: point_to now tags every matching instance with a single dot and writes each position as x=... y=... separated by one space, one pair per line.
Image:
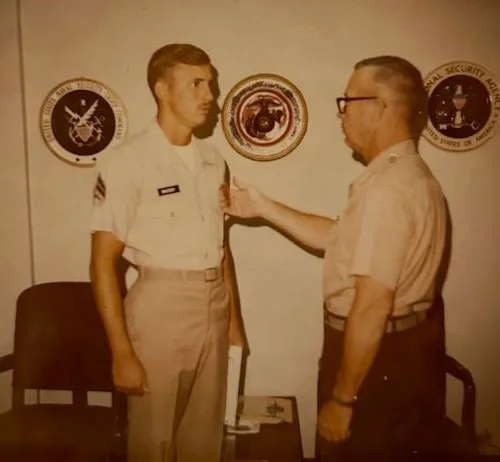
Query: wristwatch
x=344 y=402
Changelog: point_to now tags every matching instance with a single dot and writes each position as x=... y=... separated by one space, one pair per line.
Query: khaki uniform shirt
x=392 y=230
x=167 y=215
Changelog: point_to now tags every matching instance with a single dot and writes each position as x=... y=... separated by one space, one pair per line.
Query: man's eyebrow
x=201 y=79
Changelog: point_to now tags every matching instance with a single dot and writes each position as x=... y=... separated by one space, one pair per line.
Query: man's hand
x=334 y=421
x=244 y=201
x=129 y=375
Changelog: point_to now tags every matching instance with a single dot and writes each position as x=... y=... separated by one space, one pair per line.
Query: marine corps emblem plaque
x=264 y=117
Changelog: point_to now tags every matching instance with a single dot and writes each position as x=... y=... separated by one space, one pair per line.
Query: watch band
x=344 y=402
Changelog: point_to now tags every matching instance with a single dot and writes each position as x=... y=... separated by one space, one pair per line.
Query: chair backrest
x=438 y=324
x=59 y=340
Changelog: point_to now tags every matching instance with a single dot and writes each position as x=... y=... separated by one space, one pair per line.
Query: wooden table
x=274 y=443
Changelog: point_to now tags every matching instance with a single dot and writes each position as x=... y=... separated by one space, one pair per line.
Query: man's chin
x=347 y=142
x=356 y=155
x=202 y=120
x=198 y=123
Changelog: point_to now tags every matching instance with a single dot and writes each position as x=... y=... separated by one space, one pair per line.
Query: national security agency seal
x=264 y=117
x=80 y=119
x=464 y=106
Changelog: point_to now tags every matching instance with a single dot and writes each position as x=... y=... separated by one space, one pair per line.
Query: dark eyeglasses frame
x=347 y=99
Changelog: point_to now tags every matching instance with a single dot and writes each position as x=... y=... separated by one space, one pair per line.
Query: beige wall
x=15 y=270
x=312 y=42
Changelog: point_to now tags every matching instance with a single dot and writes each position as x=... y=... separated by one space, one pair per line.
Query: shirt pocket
x=168 y=207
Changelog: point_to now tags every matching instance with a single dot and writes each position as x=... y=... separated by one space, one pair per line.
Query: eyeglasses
x=342 y=102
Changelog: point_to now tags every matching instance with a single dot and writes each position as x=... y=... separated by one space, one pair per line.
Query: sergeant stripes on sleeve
x=99 y=189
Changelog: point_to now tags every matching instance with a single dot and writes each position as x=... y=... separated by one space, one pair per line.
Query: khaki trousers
x=179 y=330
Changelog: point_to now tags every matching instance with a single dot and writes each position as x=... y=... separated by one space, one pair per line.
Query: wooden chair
x=458 y=439
x=60 y=344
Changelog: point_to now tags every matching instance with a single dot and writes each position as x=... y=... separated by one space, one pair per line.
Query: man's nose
x=208 y=95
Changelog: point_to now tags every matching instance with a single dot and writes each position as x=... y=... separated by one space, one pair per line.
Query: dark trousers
x=401 y=401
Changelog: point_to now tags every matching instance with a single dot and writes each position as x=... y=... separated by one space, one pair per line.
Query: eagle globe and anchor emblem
x=268 y=117
x=80 y=119
x=264 y=117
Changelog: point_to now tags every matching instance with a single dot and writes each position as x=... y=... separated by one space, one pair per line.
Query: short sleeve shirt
x=166 y=214
x=392 y=230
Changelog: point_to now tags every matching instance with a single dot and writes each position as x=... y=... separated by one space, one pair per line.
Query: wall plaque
x=264 y=117
x=80 y=119
x=464 y=106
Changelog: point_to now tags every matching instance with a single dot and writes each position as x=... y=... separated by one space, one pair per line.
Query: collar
x=202 y=156
x=161 y=144
x=382 y=160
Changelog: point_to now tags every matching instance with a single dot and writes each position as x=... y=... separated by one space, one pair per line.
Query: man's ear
x=161 y=88
x=382 y=107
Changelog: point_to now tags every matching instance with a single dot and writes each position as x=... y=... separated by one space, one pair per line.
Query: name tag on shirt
x=168 y=190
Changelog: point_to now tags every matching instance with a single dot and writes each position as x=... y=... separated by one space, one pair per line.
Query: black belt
x=394 y=323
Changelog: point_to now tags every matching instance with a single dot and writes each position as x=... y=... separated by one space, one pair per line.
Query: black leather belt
x=394 y=323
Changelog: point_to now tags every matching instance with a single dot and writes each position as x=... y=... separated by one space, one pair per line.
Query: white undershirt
x=187 y=154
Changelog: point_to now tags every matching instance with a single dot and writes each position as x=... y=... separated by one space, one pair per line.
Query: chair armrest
x=121 y=417
x=457 y=370
x=6 y=362
x=119 y=451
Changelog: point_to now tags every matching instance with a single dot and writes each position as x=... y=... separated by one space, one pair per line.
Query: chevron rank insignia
x=99 y=191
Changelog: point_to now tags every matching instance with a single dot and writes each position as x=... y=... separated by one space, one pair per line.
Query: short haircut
x=405 y=80
x=168 y=56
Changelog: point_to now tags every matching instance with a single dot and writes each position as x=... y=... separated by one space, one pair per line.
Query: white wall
x=314 y=43
x=14 y=223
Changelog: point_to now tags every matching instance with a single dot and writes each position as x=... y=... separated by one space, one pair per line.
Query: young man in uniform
x=156 y=202
x=380 y=373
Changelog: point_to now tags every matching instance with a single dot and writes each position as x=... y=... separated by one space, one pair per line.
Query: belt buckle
x=210 y=274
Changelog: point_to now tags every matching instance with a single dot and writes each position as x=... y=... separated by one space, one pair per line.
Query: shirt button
x=392 y=158
x=203 y=218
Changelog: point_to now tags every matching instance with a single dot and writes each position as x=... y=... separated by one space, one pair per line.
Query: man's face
x=186 y=91
x=359 y=119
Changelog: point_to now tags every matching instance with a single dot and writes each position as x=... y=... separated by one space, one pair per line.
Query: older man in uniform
x=157 y=203
x=380 y=371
